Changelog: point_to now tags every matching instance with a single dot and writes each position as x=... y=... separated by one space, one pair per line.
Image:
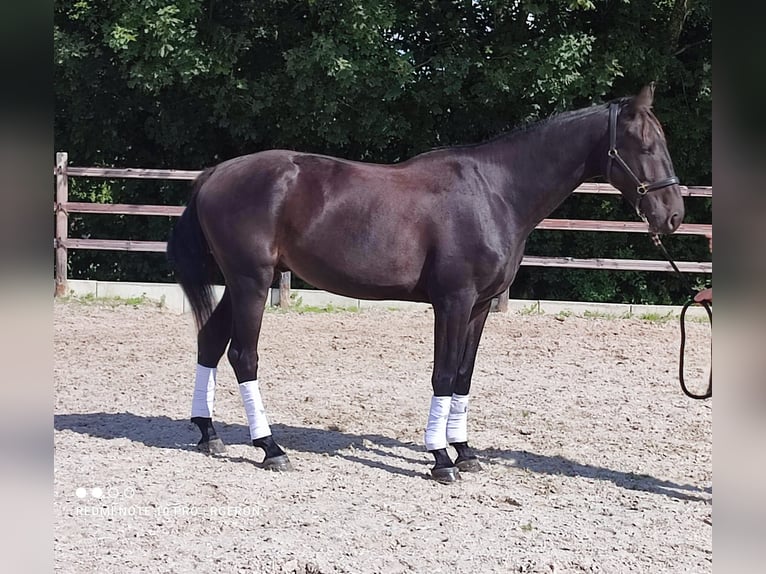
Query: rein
x=709 y=392
x=642 y=188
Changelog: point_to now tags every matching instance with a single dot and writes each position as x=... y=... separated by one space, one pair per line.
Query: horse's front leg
x=457 y=422
x=451 y=319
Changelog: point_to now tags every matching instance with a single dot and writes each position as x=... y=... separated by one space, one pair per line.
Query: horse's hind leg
x=211 y=344
x=248 y=304
x=457 y=423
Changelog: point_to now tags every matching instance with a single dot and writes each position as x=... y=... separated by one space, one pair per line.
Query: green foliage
x=188 y=83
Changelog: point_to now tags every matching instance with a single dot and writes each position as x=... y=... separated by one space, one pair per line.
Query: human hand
x=704 y=296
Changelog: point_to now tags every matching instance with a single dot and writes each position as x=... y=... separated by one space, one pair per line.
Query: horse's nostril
x=675 y=220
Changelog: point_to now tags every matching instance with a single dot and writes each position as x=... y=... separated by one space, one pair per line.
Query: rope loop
x=709 y=392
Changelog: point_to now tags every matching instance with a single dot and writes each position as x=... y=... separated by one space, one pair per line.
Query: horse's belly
x=362 y=274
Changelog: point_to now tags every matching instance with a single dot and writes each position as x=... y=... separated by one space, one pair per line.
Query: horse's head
x=639 y=163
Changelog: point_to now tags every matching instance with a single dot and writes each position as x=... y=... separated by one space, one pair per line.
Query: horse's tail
x=189 y=255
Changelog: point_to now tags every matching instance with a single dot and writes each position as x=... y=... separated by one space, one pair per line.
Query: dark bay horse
x=447 y=227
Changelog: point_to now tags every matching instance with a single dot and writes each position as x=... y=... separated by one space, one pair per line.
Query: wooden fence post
x=284 y=290
x=62 y=224
x=502 y=301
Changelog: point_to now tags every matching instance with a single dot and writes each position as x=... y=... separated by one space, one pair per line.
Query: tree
x=187 y=83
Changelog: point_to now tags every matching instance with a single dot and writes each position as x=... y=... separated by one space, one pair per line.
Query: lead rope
x=709 y=393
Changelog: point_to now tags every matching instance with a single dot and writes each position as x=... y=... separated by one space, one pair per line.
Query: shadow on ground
x=164 y=432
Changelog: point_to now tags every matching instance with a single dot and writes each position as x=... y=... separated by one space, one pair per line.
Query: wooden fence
x=63 y=207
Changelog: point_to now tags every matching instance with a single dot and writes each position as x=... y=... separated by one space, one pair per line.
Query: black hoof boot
x=274 y=457
x=209 y=443
x=444 y=471
x=466 y=460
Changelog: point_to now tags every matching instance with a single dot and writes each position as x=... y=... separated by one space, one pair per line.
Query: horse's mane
x=535 y=124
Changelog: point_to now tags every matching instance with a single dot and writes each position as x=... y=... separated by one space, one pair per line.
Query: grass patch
x=329 y=308
x=297 y=306
x=527 y=527
x=533 y=309
x=588 y=314
x=658 y=317
x=135 y=302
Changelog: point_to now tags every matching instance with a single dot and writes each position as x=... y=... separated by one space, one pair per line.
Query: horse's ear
x=644 y=99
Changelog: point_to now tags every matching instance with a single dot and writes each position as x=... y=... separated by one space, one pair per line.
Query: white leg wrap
x=256 y=414
x=436 y=429
x=457 y=423
x=204 y=392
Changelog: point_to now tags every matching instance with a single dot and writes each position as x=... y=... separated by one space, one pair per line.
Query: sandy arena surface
x=594 y=461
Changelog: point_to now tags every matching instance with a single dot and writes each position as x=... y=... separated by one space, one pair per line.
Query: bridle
x=642 y=187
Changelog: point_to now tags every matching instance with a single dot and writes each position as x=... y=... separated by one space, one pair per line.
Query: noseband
x=642 y=187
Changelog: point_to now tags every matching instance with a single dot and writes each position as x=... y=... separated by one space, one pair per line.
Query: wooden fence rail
x=63 y=207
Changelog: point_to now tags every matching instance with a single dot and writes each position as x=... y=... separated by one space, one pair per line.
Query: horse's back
x=360 y=229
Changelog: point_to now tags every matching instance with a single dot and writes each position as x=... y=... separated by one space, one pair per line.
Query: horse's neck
x=546 y=163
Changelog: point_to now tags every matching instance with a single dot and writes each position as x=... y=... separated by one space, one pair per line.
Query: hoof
x=213 y=446
x=445 y=475
x=278 y=463
x=468 y=464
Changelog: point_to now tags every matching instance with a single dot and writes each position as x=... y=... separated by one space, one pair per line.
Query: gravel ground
x=594 y=461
